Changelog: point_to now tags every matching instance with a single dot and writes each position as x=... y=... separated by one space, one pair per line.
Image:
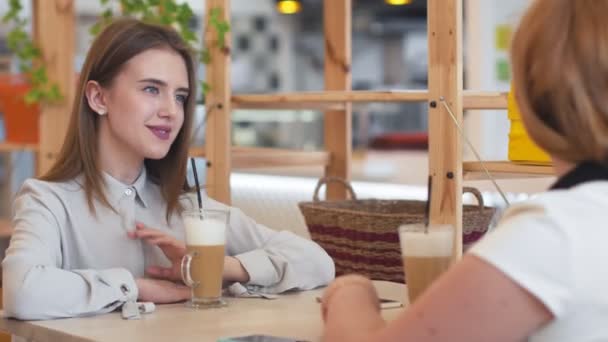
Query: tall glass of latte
x=426 y=254
x=203 y=265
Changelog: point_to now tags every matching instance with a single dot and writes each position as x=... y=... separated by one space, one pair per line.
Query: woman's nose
x=170 y=108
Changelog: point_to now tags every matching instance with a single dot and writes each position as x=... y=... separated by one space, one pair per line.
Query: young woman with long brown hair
x=103 y=225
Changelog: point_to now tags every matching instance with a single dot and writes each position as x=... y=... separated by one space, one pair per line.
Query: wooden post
x=217 y=104
x=337 y=124
x=54 y=30
x=445 y=145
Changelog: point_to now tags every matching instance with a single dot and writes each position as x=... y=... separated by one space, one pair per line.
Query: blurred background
x=277 y=51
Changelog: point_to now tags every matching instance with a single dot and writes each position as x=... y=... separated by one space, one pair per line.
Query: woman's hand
x=173 y=249
x=234 y=270
x=350 y=288
x=161 y=291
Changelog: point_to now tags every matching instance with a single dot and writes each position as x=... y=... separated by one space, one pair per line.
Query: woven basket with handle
x=361 y=234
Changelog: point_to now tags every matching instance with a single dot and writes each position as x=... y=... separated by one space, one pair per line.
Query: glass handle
x=185 y=270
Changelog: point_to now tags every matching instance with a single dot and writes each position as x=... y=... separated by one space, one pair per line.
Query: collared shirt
x=65 y=261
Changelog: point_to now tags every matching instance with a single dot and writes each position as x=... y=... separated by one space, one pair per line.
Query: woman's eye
x=181 y=98
x=151 y=89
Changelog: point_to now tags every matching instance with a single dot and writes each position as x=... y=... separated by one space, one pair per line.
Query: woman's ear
x=95 y=97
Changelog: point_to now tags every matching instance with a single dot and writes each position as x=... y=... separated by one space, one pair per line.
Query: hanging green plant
x=163 y=12
x=30 y=58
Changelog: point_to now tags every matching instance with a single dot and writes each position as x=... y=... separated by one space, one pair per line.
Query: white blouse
x=65 y=261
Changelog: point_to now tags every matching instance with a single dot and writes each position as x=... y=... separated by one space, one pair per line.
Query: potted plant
x=20 y=95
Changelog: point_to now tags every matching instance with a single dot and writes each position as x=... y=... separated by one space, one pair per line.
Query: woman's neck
x=116 y=160
x=561 y=167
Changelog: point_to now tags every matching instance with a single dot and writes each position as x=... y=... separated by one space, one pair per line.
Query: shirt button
x=125 y=289
x=128 y=192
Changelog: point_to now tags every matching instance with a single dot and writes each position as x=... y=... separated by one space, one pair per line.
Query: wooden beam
x=253 y=157
x=12 y=147
x=337 y=124
x=262 y=105
x=505 y=169
x=484 y=100
x=335 y=100
x=323 y=99
x=445 y=145
x=217 y=129
x=54 y=30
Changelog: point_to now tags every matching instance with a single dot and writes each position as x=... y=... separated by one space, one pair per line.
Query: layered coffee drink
x=203 y=266
x=425 y=255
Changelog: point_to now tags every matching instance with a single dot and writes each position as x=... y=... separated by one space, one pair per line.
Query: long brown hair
x=560 y=74
x=119 y=42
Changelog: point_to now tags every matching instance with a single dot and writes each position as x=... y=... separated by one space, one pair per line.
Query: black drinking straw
x=427 y=209
x=198 y=187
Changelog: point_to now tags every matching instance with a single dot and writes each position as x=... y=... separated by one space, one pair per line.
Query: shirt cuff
x=261 y=270
x=122 y=281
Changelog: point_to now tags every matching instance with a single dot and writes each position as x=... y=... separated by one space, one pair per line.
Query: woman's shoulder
x=42 y=188
x=567 y=215
x=589 y=199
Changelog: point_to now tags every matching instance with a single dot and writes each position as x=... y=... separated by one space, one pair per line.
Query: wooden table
x=294 y=315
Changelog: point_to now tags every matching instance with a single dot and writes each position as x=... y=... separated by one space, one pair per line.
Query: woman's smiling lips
x=161 y=132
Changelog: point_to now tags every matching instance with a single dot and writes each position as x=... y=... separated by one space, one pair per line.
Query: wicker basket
x=361 y=235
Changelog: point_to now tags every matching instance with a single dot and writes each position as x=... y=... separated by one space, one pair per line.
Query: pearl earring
x=102 y=112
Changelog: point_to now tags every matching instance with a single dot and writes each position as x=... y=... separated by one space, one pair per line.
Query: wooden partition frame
x=218 y=107
x=338 y=76
x=445 y=84
x=54 y=30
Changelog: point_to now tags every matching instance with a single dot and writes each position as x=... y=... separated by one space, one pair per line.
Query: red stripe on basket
x=472 y=237
x=375 y=237
x=351 y=233
x=367 y=260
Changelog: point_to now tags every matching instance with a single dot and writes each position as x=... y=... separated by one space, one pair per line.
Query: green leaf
x=206 y=88
x=165 y=20
x=223 y=26
x=184 y=12
x=169 y=6
x=189 y=36
x=39 y=75
x=127 y=6
x=54 y=93
x=107 y=14
x=32 y=96
x=95 y=29
x=206 y=56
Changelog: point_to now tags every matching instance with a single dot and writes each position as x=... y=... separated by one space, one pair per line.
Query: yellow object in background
x=521 y=147
x=502 y=37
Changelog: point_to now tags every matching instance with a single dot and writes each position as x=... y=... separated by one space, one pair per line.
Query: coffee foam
x=208 y=232
x=434 y=244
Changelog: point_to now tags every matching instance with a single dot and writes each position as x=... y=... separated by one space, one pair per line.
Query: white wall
x=488 y=130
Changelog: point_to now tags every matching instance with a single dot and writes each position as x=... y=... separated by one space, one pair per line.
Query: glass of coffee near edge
x=203 y=266
x=427 y=253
